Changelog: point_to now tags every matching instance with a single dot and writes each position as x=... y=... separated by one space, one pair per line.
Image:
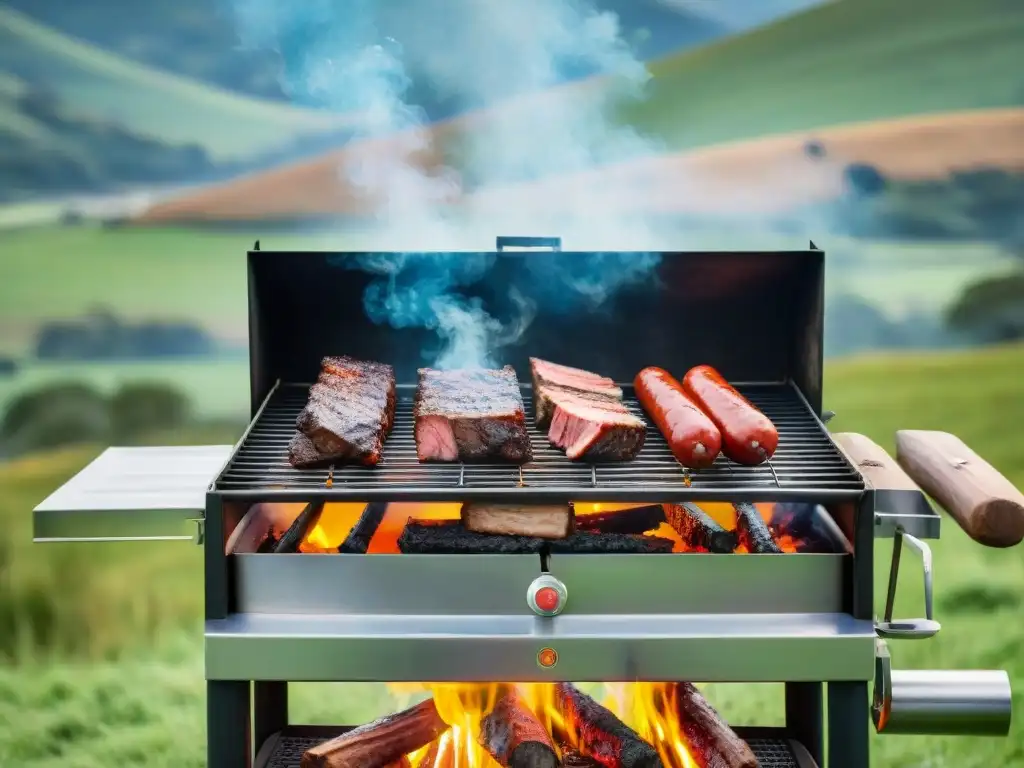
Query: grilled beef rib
x=470 y=415
x=584 y=413
x=350 y=411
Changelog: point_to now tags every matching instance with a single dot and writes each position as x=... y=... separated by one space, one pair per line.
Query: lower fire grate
x=284 y=750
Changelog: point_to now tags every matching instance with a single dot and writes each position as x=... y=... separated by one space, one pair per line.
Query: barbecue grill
x=807 y=620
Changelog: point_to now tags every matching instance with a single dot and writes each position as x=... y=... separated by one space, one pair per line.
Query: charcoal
x=358 y=539
x=449 y=537
x=471 y=416
x=752 y=531
x=585 y=542
x=698 y=529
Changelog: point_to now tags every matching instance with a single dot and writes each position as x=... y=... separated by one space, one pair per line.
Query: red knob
x=546 y=598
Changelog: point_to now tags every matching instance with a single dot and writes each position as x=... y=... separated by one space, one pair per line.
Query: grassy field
x=845 y=61
x=102 y=643
x=152 y=103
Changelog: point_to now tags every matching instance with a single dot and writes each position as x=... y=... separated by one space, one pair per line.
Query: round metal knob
x=546 y=595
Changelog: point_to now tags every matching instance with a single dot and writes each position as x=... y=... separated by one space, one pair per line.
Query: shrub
x=990 y=310
x=54 y=415
x=146 y=406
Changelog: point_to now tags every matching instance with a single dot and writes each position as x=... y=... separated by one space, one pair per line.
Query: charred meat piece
x=592 y=433
x=471 y=415
x=584 y=413
x=350 y=411
x=551 y=380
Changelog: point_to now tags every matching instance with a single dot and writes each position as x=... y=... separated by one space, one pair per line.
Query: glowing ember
x=338 y=519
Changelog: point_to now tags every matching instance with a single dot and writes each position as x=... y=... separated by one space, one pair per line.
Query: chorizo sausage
x=692 y=436
x=748 y=436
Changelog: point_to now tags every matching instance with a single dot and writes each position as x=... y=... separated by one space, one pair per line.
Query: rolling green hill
x=91 y=83
x=845 y=61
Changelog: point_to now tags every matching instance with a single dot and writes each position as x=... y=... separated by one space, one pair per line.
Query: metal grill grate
x=770 y=753
x=807 y=464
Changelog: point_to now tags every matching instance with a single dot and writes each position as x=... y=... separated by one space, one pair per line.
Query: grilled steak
x=584 y=413
x=470 y=415
x=551 y=380
x=596 y=433
x=350 y=412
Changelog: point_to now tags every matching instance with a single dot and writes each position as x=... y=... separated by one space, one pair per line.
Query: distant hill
x=851 y=61
x=91 y=83
x=198 y=39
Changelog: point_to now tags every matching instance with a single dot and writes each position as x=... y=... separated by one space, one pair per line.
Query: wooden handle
x=878 y=467
x=985 y=504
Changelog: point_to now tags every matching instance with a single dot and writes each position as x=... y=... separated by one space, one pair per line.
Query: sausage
x=693 y=438
x=748 y=436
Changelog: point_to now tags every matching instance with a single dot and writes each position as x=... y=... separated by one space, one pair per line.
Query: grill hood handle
x=975 y=494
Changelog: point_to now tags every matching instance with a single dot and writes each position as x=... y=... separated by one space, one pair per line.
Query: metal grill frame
x=806 y=467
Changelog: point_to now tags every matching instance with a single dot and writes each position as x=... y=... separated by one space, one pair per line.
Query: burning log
x=542 y=521
x=449 y=537
x=358 y=539
x=305 y=520
x=513 y=735
x=710 y=741
x=268 y=544
x=380 y=743
x=632 y=520
x=698 y=529
x=585 y=542
x=601 y=734
x=752 y=531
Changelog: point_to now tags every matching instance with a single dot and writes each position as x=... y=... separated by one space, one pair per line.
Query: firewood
x=268 y=544
x=631 y=520
x=358 y=539
x=584 y=542
x=513 y=735
x=543 y=521
x=600 y=733
x=449 y=537
x=698 y=529
x=300 y=526
x=381 y=742
x=752 y=531
x=709 y=739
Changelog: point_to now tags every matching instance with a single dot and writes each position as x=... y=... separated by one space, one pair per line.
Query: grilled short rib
x=350 y=412
x=471 y=415
x=584 y=413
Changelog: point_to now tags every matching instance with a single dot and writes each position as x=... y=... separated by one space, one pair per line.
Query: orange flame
x=642 y=706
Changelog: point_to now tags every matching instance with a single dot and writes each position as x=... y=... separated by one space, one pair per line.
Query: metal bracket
x=827 y=416
x=908 y=629
x=200 y=537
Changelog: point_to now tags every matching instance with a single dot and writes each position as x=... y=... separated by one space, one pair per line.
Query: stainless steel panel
x=706 y=648
x=132 y=494
x=498 y=584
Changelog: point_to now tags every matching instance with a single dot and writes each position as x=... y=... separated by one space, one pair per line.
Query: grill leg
x=804 y=716
x=228 y=737
x=848 y=729
x=269 y=711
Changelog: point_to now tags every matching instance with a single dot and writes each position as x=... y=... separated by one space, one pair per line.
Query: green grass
x=106 y=87
x=103 y=642
x=845 y=61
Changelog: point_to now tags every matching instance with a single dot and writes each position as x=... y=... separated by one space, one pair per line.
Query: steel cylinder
x=922 y=702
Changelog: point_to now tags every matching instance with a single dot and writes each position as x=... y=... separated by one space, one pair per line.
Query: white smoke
x=360 y=57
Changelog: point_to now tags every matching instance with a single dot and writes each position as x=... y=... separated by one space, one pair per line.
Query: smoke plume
x=362 y=57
